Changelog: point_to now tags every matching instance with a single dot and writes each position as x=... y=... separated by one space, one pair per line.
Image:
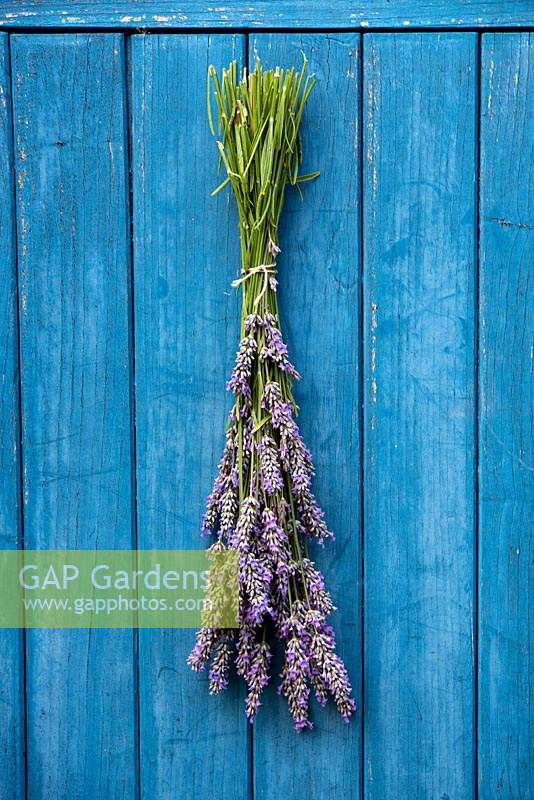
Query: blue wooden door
x=407 y=293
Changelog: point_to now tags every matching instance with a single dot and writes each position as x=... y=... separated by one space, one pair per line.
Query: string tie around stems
x=266 y=269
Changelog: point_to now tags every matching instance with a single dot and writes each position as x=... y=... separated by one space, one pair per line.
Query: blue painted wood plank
x=419 y=540
x=71 y=171
x=336 y=14
x=186 y=253
x=320 y=282
x=506 y=430
x=12 y=745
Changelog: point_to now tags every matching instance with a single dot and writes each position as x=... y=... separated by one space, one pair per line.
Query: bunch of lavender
x=262 y=503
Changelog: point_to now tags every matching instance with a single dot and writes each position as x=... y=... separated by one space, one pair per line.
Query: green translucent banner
x=118 y=589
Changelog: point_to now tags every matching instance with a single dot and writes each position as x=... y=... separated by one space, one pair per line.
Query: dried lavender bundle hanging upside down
x=262 y=504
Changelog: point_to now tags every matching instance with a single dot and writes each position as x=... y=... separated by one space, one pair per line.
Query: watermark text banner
x=118 y=588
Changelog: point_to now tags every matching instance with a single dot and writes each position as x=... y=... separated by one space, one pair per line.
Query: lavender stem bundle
x=262 y=503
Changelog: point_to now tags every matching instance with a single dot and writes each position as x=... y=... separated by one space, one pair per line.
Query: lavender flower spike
x=257 y=679
x=239 y=383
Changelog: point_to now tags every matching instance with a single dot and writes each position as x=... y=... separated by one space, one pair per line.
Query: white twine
x=266 y=269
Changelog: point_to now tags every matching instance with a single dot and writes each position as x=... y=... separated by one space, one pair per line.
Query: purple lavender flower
x=319 y=598
x=207 y=638
x=255 y=577
x=275 y=348
x=293 y=624
x=273 y=402
x=283 y=572
x=270 y=467
x=228 y=510
x=246 y=644
x=257 y=678
x=294 y=686
x=242 y=538
x=275 y=537
x=220 y=667
x=210 y=519
x=252 y=323
x=239 y=383
x=319 y=686
x=312 y=517
x=297 y=459
x=332 y=670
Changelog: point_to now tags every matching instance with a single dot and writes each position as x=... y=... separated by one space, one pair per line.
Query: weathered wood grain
x=12 y=745
x=320 y=282
x=419 y=539
x=71 y=168
x=77 y=348
x=336 y=14
x=186 y=253
x=506 y=372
